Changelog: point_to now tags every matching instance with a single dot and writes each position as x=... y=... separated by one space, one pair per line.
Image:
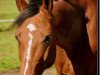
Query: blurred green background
x=8 y=45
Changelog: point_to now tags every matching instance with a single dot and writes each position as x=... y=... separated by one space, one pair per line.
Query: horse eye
x=47 y=40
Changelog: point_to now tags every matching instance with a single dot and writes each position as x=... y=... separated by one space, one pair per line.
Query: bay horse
x=82 y=44
x=42 y=26
x=62 y=63
x=90 y=8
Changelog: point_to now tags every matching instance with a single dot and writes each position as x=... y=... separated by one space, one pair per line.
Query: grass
x=8 y=45
x=8 y=51
x=8 y=9
x=50 y=71
x=4 y=26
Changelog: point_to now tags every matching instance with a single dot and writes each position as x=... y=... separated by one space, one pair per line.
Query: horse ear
x=48 y=4
x=21 y=4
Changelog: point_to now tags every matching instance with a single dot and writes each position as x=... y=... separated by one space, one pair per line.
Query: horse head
x=34 y=35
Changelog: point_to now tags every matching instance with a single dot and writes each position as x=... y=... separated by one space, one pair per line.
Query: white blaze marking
x=31 y=28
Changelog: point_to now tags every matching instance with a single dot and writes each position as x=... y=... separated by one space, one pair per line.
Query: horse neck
x=76 y=45
x=82 y=3
x=82 y=58
x=80 y=54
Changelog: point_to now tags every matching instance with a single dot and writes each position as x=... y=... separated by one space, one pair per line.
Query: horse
x=41 y=26
x=62 y=63
x=90 y=8
x=38 y=54
x=21 y=5
x=91 y=16
x=81 y=44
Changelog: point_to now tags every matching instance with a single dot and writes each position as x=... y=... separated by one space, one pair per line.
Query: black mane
x=31 y=10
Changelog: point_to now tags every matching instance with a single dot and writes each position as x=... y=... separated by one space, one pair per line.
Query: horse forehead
x=38 y=22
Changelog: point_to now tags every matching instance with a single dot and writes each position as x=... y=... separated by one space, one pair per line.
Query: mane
x=31 y=10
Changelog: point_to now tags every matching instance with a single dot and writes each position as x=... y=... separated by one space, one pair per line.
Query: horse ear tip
x=48 y=5
x=21 y=5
